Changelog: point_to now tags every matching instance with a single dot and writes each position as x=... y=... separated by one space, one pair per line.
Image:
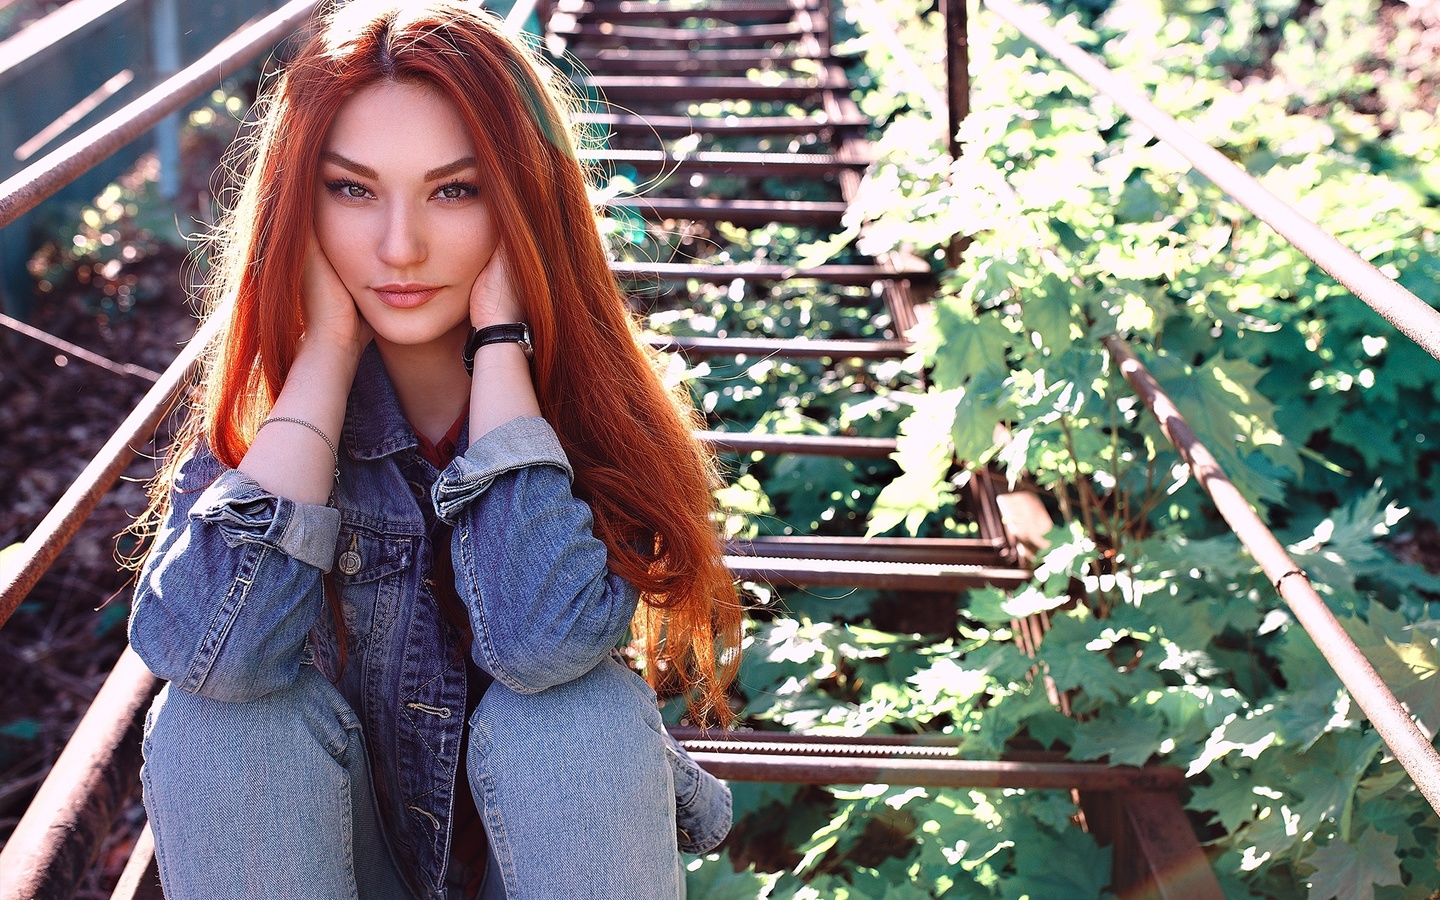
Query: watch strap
x=508 y=333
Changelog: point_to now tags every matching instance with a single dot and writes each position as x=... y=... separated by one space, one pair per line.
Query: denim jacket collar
x=375 y=425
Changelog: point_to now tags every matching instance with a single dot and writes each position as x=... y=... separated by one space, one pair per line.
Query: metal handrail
x=19 y=51
x=27 y=188
x=1407 y=312
x=1380 y=705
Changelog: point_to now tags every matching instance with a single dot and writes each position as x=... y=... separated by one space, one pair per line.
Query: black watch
x=510 y=333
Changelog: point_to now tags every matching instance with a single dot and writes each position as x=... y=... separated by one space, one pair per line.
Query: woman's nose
x=403 y=243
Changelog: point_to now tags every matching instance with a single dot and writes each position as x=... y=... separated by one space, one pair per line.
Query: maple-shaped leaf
x=1230 y=794
x=1346 y=872
x=1069 y=865
x=1225 y=408
x=1128 y=737
x=1046 y=311
x=963 y=345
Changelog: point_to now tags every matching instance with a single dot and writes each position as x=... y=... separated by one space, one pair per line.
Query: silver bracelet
x=334 y=453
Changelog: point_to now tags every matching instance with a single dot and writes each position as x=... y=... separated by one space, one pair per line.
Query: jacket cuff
x=703 y=805
x=518 y=443
x=247 y=513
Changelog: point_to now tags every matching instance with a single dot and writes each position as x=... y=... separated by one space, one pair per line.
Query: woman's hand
x=493 y=298
x=331 y=317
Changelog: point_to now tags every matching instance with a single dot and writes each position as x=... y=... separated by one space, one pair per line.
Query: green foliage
x=1179 y=652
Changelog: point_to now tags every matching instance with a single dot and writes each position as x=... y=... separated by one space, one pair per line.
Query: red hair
x=648 y=482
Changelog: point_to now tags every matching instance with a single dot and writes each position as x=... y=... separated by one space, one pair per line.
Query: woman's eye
x=347 y=190
x=457 y=191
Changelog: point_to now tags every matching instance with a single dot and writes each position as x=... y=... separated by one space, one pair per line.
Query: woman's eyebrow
x=360 y=169
x=365 y=171
x=448 y=169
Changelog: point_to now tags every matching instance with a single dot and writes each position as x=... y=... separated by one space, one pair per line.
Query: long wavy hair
x=648 y=482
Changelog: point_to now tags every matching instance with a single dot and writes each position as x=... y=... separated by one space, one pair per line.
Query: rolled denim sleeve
x=544 y=606
x=232 y=584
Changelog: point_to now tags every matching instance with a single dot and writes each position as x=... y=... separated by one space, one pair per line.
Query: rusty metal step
x=730 y=34
x=710 y=162
x=674 y=88
x=801 y=444
x=829 y=759
x=738 y=212
x=799 y=348
x=894 y=576
x=637 y=60
x=938 y=551
x=729 y=125
x=631 y=272
x=748 y=11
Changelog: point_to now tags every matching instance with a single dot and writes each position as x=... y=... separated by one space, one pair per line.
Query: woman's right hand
x=331 y=316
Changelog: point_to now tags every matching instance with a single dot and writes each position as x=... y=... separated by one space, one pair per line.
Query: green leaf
x=1047 y=313
x=1346 y=872
x=1125 y=735
x=1229 y=414
x=1069 y=865
x=714 y=878
x=22 y=729
x=964 y=345
x=1230 y=794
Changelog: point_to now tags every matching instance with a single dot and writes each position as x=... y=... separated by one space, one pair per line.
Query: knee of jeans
x=184 y=730
x=608 y=707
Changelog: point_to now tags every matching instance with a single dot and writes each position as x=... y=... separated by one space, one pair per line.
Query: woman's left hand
x=493 y=298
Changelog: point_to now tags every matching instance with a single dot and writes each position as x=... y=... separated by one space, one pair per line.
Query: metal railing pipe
x=60 y=525
x=1381 y=707
x=39 y=39
x=62 y=829
x=25 y=190
x=1400 y=307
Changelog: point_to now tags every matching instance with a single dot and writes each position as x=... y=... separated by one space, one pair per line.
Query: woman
x=386 y=594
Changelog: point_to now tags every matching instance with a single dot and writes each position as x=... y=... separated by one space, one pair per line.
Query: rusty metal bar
x=941 y=551
x=25 y=190
x=740 y=59
x=777 y=165
x=806 y=444
x=70 y=21
x=722 y=274
x=801 y=769
x=729 y=34
x=1410 y=746
x=732 y=125
x=681 y=87
x=77 y=351
x=65 y=518
x=140 y=879
x=63 y=827
x=882 y=575
x=1411 y=315
x=739 y=212
x=773 y=347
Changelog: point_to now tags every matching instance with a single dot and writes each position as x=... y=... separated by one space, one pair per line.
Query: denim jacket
x=230 y=601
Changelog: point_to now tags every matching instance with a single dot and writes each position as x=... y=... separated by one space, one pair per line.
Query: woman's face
x=400 y=213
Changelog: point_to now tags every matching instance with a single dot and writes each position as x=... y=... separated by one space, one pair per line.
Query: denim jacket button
x=349 y=562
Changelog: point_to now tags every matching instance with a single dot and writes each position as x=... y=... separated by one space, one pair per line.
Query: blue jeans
x=272 y=797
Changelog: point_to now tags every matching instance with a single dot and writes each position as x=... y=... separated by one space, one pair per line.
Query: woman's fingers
x=493 y=298
x=330 y=311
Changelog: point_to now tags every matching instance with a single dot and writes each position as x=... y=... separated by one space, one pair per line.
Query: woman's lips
x=406 y=296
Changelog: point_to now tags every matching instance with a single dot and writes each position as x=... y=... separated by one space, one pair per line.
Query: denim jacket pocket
x=370 y=570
